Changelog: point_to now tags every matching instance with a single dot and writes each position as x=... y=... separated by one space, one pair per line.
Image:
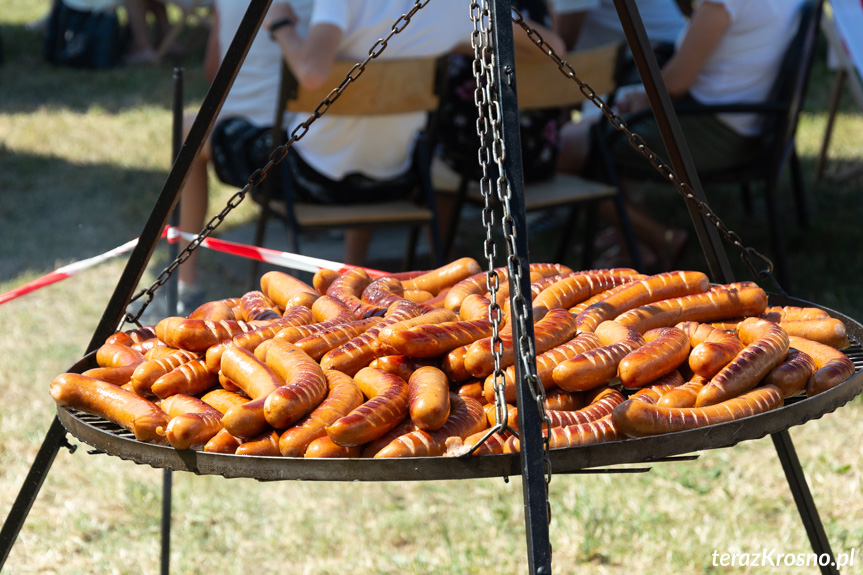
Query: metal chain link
x=486 y=97
x=275 y=157
x=749 y=255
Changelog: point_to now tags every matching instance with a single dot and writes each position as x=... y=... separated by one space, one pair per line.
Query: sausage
x=124 y=408
x=387 y=333
x=594 y=367
x=193 y=422
x=493 y=415
x=223 y=400
x=215 y=310
x=357 y=353
x=191 y=378
x=401 y=365
x=588 y=433
x=557 y=327
x=198 y=334
x=638 y=293
x=249 y=373
x=328 y=308
x=445 y=276
x=766 y=346
x=305 y=384
x=428 y=398
x=466 y=418
x=117 y=355
x=473 y=390
x=293 y=317
x=280 y=287
x=420 y=296
x=546 y=362
x=246 y=420
x=371 y=448
x=832 y=367
x=572 y=289
x=263 y=445
x=601 y=405
x=665 y=349
x=384 y=292
x=131 y=336
x=348 y=288
x=474 y=306
x=319 y=343
x=683 y=395
x=720 y=302
x=791 y=312
x=258 y=307
x=456 y=446
x=601 y=296
x=324 y=447
x=119 y=375
x=791 y=376
x=222 y=442
x=303 y=298
x=829 y=331
x=344 y=396
x=560 y=400
x=322 y=280
x=638 y=418
x=386 y=407
x=433 y=340
x=476 y=283
x=713 y=351
x=452 y=364
x=147 y=372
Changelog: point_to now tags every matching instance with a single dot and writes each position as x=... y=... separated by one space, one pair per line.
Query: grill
x=106 y=437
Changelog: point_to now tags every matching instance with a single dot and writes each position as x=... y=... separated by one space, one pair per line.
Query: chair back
x=542 y=85
x=393 y=86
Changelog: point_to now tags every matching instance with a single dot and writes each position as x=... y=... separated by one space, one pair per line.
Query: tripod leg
x=54 y=440
x=803 y=499
x=167 y=481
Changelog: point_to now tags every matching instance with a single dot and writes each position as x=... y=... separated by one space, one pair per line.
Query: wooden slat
x=410 y=81
x=542 y=85
x=401 y=213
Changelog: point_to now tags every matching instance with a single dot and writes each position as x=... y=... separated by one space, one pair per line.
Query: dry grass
x=82 y=157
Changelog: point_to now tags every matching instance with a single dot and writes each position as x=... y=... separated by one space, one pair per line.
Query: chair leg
x=566 y=235
x=591 y=217
x=746 y=197
x=799 y=191
x=409 y=260
x=777 y=239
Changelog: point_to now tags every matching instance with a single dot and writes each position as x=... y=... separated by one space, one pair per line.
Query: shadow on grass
x=30 y=83
x=55 y=212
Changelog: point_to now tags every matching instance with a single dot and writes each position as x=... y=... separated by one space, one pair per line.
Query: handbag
x=81 y=38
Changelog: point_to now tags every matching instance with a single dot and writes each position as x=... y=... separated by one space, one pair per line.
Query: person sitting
x=240 y=141
x=346 y=159
x=729 y=52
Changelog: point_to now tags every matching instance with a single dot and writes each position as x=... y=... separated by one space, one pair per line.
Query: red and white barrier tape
x=275 y=257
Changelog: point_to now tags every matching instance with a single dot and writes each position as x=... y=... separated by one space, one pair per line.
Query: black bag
x=82 y=39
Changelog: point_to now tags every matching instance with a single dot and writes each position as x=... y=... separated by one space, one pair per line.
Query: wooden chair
x=542 y=86
x=777 y=146
x=385 y=87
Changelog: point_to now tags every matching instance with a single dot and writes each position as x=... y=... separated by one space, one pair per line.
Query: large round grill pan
x=113 y=440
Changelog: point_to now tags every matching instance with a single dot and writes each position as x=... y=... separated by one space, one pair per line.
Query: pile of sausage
x=402 y=365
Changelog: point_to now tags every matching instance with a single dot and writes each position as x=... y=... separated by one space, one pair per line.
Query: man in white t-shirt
x=342 y=158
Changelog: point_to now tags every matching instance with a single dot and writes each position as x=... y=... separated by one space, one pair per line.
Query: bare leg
x=193 y=205
x=356 y=245
x=141 y=48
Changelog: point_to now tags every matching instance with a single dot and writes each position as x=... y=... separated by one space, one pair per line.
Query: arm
x=707 y=27
x=311 y=58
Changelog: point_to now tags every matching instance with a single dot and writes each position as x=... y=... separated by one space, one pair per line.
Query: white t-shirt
x=380 y=146
x=743 y=66
x=662 y=19
x=256 y=88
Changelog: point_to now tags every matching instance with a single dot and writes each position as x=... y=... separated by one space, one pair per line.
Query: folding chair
x=385 y=87
x=542 y=86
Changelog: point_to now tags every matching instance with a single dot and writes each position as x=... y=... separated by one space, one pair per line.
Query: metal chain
x=487 y=100
x=276 y=156
x=747 y=254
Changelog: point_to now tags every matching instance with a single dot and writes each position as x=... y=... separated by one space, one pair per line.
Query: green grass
x=83 y=155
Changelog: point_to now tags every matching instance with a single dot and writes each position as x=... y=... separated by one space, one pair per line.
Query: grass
x=83 y=155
